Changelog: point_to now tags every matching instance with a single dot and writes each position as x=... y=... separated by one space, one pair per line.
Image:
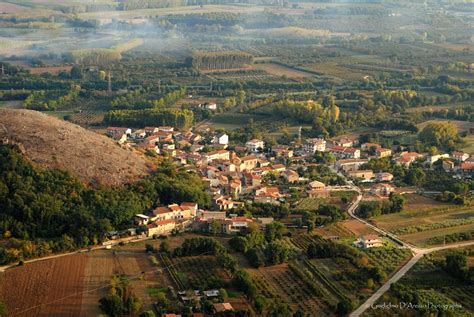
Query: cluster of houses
x=244 y=173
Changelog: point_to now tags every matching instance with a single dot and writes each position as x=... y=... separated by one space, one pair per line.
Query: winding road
x=418 y=253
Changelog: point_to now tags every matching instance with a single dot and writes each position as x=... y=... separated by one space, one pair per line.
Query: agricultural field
x=72 y=285
x=433 y=284
x=468 y=145
x=46 y=288
x=280 y=70
x=335 y=230
x=199 y=272
x=281 y=283
x=423 y=218
x=356 y=227
x=461 y=125
x=87 y=118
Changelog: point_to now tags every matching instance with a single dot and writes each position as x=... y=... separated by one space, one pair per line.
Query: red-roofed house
x=160 y=227
x=267 y=195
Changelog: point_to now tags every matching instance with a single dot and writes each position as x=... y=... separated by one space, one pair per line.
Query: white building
x=313 y=145
x=221 y=139
x=254 y=145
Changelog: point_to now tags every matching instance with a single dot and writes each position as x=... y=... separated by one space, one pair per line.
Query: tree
x=396 y=202
x=165 y=247
x=254 y=258
x=76 y=72
x=274 y=230
x=148 y=313
x=415 y=176
x=344 y=307
x=276 y=253
x=439 y=134
x=456 y=265
x=111 y=305
x=280 y=309
x=241 y=97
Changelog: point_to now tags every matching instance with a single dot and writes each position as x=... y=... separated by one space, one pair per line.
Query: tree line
x=220 y=60
x=181 y=119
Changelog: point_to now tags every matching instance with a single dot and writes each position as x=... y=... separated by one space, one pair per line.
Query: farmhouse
x=369 y=241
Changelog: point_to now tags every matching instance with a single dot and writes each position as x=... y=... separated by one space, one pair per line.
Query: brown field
x=456 y=47
x=280 y=70
x=49 y=69
x=45 y=288
x=72 y=285
x=216 y=71
x=336 y=70
x=334 y=230
x=357 y=228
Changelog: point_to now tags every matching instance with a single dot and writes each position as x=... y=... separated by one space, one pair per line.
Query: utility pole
x=109 y=86
x=299 y=134
x=159 y=86
x=3 y=70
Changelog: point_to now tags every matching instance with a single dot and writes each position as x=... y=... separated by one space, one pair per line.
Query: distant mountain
x=54 y=143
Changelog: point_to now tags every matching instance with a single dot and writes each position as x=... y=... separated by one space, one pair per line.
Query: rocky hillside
x=54 y=143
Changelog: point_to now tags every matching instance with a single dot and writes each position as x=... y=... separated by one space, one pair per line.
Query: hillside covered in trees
x=45 y=211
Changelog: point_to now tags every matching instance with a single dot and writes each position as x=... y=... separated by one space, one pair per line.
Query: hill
x=54 y=143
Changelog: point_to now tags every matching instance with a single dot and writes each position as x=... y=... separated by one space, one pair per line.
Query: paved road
x=417 y=252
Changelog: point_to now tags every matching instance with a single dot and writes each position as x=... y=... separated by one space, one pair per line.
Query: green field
x=423 y=218
x=468 y=144
x=427 y=282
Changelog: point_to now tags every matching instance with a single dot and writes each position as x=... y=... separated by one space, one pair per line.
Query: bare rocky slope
x=54 y=143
